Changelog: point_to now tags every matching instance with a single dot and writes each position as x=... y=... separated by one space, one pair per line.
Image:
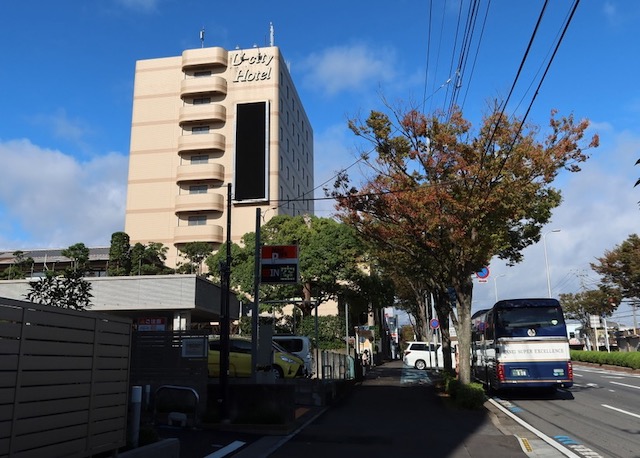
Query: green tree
x=79 y=256
x=330 y=260
x=195 y=253
x=450 y=199
x=149 y=259
x=620 y=268
x=20 y=267
x=66 y=291
x=119 y=255
x=582 y=305
x=330 y=331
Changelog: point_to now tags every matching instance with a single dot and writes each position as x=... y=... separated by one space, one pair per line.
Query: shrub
x=470 y=396
x=623 y=359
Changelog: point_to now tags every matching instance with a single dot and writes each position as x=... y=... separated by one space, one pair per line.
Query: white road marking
x=232 y=447
x=565 y=451
x=577 y=375
x=612 y=376
x=621 y=411
x=624 y=384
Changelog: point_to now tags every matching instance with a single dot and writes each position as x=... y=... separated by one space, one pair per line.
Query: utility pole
x=225 y=273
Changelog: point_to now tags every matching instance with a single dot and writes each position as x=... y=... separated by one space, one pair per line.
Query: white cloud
x=140 y=5
x=599 y=211
x=52 y=200
x=349 y=68
x=610 y=12
x=65 y=128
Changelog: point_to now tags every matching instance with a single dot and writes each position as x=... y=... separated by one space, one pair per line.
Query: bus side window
x=489 y=331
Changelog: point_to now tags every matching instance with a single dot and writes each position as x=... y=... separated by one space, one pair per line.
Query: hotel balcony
x=201 y=142
x=204 y=58
x=204 y=85
x=210 y=112
x=200 y=172
x=210 y=201
x=204 y=233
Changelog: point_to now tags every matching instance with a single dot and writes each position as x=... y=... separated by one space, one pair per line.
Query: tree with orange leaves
x=443 y=200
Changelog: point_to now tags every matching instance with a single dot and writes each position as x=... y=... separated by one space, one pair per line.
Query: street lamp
x=495 y=285
x=546 y=260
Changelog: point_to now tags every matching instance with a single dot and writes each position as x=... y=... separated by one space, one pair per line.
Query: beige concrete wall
x=257 y=74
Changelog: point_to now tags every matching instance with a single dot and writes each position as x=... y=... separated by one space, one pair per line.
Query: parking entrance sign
x=279 y=264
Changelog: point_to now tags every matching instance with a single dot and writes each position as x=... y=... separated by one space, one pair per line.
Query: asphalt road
x=598 y=417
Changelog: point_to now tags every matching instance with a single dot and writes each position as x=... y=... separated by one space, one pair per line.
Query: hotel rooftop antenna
x=202 y=37
x=271 y=37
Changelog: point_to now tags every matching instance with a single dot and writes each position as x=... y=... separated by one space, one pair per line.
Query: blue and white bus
x=521 y=343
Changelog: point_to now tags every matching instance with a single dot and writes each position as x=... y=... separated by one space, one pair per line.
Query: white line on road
x=565 y=451
x=621 y=411
x=577 y=375
x=612 y=376
x=629 y=386
x=232 y=447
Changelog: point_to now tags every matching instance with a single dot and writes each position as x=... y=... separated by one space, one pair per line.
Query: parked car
x=285 y=365
x=299 y=346
x=423 y=355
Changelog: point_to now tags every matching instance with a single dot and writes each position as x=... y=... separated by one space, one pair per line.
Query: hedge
x=616 y=358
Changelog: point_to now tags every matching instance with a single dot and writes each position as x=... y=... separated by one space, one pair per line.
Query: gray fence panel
x=64 y=381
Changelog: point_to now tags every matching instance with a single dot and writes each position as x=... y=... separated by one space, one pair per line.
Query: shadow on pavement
x=391 y=414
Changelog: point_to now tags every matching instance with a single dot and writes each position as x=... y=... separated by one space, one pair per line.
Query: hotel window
x=200 y=130
x=202 y=73
x=200 y=159
x=198 y=189
x=202 y=101
x=198 y=220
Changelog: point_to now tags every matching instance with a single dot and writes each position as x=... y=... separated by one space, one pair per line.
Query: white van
x=299 y=346
x=425 y=355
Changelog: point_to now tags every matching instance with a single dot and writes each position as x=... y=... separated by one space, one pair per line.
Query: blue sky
x=67 y=85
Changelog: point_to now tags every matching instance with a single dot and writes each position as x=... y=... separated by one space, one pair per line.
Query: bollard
x=135 y=404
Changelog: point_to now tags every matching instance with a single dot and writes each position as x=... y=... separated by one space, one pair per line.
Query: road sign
x=484 y=273
x=279 y=264
x=434 y=323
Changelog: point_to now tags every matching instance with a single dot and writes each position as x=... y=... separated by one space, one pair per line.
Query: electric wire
x=426 y=67
x=475 y=58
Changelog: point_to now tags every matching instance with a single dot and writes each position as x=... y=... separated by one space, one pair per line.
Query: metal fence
x=336 y=366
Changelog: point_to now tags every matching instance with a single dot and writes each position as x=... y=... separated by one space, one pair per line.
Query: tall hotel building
x=206 y=119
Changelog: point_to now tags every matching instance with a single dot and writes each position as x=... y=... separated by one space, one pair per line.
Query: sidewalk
x=388 y=417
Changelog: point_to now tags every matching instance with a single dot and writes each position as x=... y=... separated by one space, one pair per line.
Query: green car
x=285 y=365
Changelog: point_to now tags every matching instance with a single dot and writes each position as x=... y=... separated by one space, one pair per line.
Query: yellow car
x=285 y=365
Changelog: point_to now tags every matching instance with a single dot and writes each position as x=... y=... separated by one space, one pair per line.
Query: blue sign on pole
x=484 y=273
x=434 y=323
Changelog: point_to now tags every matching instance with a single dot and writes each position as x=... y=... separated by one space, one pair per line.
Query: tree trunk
x=306 y=306
x=421 y=317
x=464 y=289
x=443 y=309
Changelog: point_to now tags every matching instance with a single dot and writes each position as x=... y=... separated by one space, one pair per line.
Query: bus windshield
x=530 y=321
